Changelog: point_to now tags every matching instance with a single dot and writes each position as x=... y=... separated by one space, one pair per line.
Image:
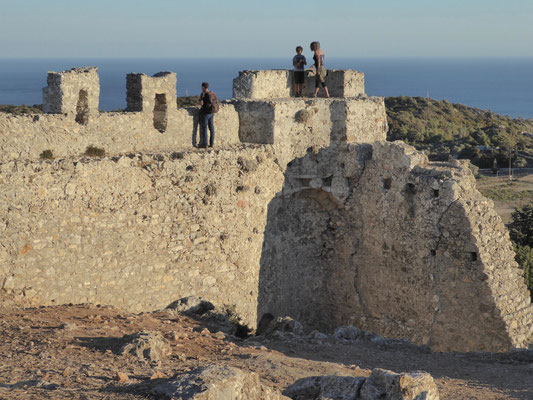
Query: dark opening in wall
x=409 y=194
x=410 y=188
x=473 y=256
x=82 y=108
x=433 y=253
x=160 y=112
x=263 y=324
x=387 y=182
x=435 y=192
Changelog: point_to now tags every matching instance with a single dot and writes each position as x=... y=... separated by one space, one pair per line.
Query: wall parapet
x=273 y=84
x=153 y=122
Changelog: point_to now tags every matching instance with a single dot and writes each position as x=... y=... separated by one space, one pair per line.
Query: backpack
x=214 y=102
x=211 y=103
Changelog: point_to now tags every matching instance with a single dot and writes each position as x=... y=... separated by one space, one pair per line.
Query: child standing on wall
x=299 y=62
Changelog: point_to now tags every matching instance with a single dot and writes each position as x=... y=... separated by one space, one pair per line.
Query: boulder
x=284 y=325
x=217 y=383
x=191 y=305
x=388 y=385
x=325 y=388
x=146 y=346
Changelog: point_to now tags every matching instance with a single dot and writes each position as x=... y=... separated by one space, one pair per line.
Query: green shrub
x=93 y=151
x=524 y=258
x=46 y=155
x=521 y=231
x=521 y=226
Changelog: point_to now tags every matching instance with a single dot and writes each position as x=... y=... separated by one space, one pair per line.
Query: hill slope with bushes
x=443 y=130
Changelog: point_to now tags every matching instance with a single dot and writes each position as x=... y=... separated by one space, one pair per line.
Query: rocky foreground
x=190 y=351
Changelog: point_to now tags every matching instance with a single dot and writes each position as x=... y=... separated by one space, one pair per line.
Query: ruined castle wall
x=370 y=234
x=138 y=232
x=377 y=237
x=274 y=84
x=25 y=137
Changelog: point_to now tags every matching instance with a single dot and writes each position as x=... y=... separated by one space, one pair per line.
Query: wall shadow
x=307 y=268
x=194 y=112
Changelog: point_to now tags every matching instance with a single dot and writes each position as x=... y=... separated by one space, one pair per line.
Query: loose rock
x=146 y=346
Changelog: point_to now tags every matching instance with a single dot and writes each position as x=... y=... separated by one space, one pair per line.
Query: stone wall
x=377 y=237
x=293 y=125
x=370 y=235
x=274 y=84
x=26 y=136
x=137 y=232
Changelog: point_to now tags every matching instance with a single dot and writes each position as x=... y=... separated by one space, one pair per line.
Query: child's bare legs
x=316 y=92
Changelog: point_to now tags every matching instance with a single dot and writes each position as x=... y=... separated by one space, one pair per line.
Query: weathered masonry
x=302 y=209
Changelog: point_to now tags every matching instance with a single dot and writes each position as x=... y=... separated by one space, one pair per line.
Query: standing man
x=208 y=106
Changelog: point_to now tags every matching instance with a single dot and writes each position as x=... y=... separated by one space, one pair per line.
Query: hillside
x=443 y=130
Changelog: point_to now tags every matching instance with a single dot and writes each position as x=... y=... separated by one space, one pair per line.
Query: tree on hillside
x=521 y=232
x=521 y=227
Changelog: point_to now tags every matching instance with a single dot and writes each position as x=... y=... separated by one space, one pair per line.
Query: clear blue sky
x=268 y=28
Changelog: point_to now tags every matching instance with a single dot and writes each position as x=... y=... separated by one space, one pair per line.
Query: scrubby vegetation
x=93 y=151
x=46 y=155
x=20 y=110
x=188 y=101
x=444 y=130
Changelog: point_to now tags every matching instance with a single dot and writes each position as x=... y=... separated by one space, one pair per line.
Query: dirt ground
x=71 y=352
x=507 y=194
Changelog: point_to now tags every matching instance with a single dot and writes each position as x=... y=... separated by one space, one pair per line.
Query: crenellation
x=75 y=92
x=142 y=91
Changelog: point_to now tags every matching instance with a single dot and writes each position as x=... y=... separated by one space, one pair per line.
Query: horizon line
x=468 y=57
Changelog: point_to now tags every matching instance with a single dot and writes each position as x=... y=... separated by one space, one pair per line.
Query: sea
x=501 y=85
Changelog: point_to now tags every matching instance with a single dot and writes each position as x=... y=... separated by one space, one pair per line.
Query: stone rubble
x=217 y=383
x=380 y=385
x=146 y=346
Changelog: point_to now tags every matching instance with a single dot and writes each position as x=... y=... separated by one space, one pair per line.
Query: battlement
x=273 y=84
x=262 y=112
x=75 y=92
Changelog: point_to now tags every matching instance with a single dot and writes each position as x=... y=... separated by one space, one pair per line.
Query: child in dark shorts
x=299 y=62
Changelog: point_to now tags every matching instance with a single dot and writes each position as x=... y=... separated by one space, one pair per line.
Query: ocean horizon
x=500 y=85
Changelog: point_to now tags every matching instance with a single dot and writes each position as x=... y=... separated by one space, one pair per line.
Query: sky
x=263 y=29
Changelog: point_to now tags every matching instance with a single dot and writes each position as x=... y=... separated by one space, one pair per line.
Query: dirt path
x=71 y=352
